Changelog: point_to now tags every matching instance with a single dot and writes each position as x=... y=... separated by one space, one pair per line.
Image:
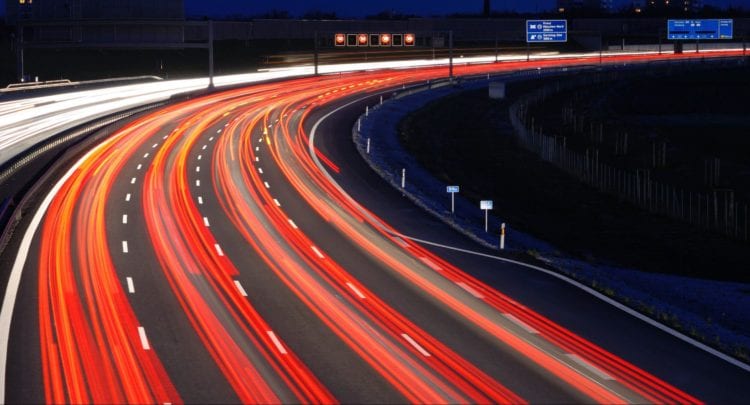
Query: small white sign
x=485 y=204
x=452 y=189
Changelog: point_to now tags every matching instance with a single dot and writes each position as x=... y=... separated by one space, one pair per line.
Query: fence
x=716 y=209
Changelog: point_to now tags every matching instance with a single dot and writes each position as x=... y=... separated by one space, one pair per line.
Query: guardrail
x=11 y=214
x=30 y=86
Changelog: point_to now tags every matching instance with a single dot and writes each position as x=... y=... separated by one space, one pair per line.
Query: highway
x=234 y=247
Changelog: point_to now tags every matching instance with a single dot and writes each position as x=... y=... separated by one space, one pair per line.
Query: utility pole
x=210 y=54
x=315 y=57
x=19 y=51
x=450 y=55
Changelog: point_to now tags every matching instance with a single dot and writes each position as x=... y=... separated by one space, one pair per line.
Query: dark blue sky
x=359 y=8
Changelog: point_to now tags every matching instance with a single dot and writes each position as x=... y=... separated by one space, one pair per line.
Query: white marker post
x=486 y=205
x=502 y=236
x=453 y=190
x=403 y=178
x=381 y=100
x=367 y=111
x=368 y=146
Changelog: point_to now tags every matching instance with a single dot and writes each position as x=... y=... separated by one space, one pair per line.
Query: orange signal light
x=340 y=39
x=362 y=39
x=409 y=39
x=385 y=39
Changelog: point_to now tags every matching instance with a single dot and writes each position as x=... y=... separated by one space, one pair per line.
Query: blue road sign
x=546 y=30
x=452 y=189
x=700 y=29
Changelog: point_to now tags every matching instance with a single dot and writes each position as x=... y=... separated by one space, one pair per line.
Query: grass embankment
x=466 y=139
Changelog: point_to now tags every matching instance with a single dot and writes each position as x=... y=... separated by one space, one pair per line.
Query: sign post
x=452 y=190
x=486 y=206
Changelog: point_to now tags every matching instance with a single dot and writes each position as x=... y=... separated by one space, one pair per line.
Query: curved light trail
x=222 y=148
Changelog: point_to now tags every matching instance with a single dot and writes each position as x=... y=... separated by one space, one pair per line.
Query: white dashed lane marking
x=144 y=339
x=240 y=288
x=415 y=345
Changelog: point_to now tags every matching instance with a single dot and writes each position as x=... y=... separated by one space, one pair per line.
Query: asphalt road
x=683 y=365
x=200 y=256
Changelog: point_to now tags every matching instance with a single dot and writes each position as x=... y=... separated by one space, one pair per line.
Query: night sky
x=360 y=8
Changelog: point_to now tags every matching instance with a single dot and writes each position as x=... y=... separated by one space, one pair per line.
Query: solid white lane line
x=317 y=252
x=401 y=242
x=145 y=156
x=132 y=181
x=590 y=367
x=140 y=165
x=260 y=170
x=356 y=290
x=218 y=249
x=292 y=224
x=205 y=222
x=265 y=183
x=124 y=218
x=416 y=345
x=124 y=246
x=131 y=286
x=430 y=263
x=276 y=342
x=275 y=201
x=127 y=197
x=144 y=339
x=521 y=323
x=200 y=200
x=197 y=183
x=240 y=288
x=470 y=290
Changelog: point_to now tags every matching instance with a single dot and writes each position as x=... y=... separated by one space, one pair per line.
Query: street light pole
x=316 y=53
x=210 y=54
x=19 y=51
x=450 y=54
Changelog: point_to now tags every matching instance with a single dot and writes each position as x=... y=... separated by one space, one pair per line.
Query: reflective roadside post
x=486 y=206
x=453 y=190
x=502 y=236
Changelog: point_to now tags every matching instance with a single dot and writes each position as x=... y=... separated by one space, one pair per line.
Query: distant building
x=675 y=5
x=96 y=21
x=36 y=10
x=564 y=6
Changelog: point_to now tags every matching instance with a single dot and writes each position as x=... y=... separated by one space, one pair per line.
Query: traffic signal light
x=385 y=39
x=409 y=39
x=362 y=39
x=340 y=40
